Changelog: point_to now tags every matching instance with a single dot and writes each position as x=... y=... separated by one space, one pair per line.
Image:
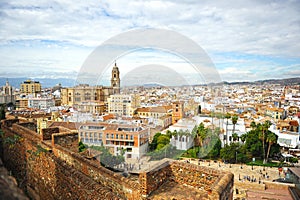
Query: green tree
x=153 y=144
x=253 y=125
x=227 y=116
x=234 y=153
x=235 y=137
x=234 y=120
x=243 y=137
x=163 y=139
x=169 y=133
x=2 y=111
x=229 y=152
x=271 y=139
x=263 y=128
x=293 y=160
x=215 y=151
x=253 y=144
x=201 y=134
x=81 y=147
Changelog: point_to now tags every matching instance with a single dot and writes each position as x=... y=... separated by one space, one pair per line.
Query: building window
x=131 y=137
x=126 y=137
x=121 y=136
x=112 y=135
x=107 y=135
x=117 y=136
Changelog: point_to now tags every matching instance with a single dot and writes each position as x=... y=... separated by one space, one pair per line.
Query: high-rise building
x=30 y=87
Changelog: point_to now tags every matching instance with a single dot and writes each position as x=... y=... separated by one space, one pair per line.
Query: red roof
x=294 y=123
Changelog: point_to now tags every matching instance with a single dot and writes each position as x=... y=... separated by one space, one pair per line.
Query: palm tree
x=261 y=136
x=271 y=139
x=266 y=126
x=263 y=128
x=169 y=133
x=235 y=137
x=212 y=114
x=253 y=125
x=243 y=137
x=234 y=120
x=201 y=134
x=194 y=135
x=227 y=116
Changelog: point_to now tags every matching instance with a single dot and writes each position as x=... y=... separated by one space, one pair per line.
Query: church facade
x=92 y=99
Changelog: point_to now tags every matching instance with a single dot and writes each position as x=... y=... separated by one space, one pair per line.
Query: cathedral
x=92 y=99
x=115 y=79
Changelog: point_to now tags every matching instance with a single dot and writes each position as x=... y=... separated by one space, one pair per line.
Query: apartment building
x=30 y=87
x=123 y=105
x=129 y=138
x=41 y=103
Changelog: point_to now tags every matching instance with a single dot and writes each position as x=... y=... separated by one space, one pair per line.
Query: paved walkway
x=248 y=180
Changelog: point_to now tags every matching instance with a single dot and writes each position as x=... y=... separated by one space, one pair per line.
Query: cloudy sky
x=246 y=40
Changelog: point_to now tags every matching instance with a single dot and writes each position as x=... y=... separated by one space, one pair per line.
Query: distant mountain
x=45 y=82
x=286 y=81
x=68 y=82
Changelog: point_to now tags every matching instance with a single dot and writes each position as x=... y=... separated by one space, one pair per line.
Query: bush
x=293 y=160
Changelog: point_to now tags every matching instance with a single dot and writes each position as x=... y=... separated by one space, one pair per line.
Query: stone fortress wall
x=47 y=166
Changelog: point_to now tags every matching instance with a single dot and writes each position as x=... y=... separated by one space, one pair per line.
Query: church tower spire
x=115 y=79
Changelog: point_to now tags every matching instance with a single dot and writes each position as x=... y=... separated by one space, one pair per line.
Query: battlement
x=48 y=166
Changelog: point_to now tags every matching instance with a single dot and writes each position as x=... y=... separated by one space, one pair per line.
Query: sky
x=245 y=40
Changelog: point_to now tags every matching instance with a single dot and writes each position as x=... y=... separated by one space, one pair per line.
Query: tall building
x=178 y=111
x=30 y=87
x=7 y=94
x=115 y=79
x=123 y=105
x=91 y=98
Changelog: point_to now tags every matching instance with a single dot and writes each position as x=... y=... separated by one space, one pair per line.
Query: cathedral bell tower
x=115 y=79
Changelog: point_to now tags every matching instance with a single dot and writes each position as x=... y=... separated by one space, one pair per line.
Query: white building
x=186 y=140
x=286 y=138
x=123 y=105
x=41 y=103
x=239 y=129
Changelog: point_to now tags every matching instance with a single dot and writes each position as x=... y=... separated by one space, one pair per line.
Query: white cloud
x=267 y=28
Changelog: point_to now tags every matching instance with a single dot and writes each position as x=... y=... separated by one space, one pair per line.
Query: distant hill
x=67 y=82
x=286 y=81
x=46 y=82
